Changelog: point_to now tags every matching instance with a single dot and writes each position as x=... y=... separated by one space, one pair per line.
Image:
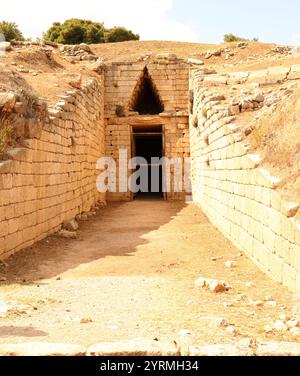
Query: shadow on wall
x=116 y=231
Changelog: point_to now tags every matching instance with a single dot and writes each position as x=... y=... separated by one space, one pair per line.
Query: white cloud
x=296 y=38
x=149 y=18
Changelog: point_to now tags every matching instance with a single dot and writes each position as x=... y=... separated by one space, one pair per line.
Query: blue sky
x=269 y=20
x=182 y=20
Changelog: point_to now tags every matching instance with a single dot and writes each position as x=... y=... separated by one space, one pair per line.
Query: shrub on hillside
x=119 y=34
x=229 y=38
x=10 y=31
x=76 y=31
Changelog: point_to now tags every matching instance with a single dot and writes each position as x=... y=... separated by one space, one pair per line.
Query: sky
x=204 y=21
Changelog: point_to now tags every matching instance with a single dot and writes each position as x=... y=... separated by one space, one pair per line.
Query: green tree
x=53 y=33
x=119 y=34
x=229 y=38
x=10 y=31
x=76 y=31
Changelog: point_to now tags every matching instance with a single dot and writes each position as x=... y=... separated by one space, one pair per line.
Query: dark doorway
x=148 y=144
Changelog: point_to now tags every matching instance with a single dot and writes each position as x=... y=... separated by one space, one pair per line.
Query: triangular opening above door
x=145 y=99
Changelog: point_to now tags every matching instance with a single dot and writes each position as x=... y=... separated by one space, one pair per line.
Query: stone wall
x=231 y=187
x=171 y=82
x=52 y=177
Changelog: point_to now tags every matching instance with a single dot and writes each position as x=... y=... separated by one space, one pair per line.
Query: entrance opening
x=148 y=144
x=146 y=100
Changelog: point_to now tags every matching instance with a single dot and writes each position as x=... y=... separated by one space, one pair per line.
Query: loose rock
x=7 y=101
x=86 y=320
x=230 y=264
x=295 y=332
x=71 y=225
x=211 y=284
x=231 y=330
x=280 y=326
x=67 y=234
x=293 y=324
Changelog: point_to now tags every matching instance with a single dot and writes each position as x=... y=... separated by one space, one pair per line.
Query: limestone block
x=237 y=78
x=41 y=349
x=289 y=208
x=261 y=253
x=278 y=74
x=283 y=248
x=7 y=101
x=138 y=347
x=276 y=267
x=289 y=276
x=12 y=241
x=297 y=232
x=275 y=221
x=294 y=73
x=288 y=229
x=240 y=348
x=215 y=80
x=297 y=282
x=258 y=77
x=278 y=349
x=269 y=238
x=266 y=179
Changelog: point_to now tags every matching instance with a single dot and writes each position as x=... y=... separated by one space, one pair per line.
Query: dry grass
x=6 y=132
x=276 y=138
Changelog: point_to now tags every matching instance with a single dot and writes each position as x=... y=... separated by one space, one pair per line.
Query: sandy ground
x=130 y=274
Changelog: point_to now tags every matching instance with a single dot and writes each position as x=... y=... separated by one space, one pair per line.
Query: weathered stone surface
x=295 y=332
x=7 y=101
x=71 y=225
x=232 y=330
x=136 y=347
x=234 y=110
x=5 y=46
x=230 y=264
x=215 y=80
x=290 y=209
x=67 y=234
x=294 y=73
x=240 y=348
x=217 y=286
x=280 y=326
x=166 y=56
x=41 y=349
x=258 y=77
x=293 y=323
x=201 y=282
x=237 y=78
x=278 y=74
x=98 y=66
x=259 y=97
x=211 y=284
x=3 y=308
x=195 y=61
x=278 y=349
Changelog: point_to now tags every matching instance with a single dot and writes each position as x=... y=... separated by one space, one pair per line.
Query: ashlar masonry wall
x=53 y=177
x=171 y=81
x=238 y=196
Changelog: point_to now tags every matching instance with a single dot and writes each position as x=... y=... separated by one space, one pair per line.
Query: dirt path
x=131 y=274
